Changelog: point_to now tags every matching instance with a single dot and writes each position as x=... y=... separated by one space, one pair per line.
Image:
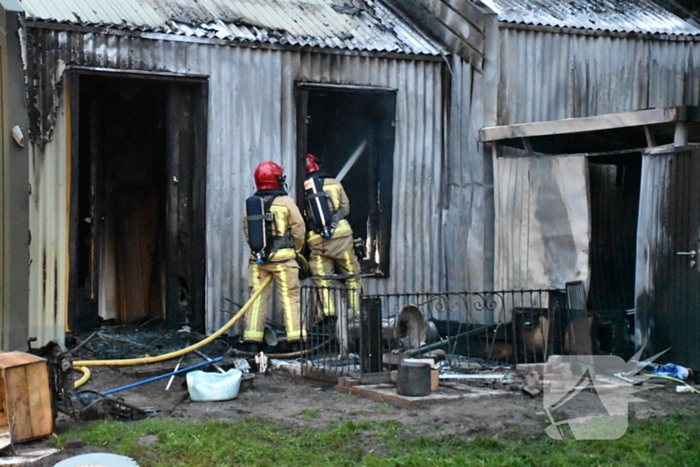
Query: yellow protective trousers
x=336 y=255
x=286 y=276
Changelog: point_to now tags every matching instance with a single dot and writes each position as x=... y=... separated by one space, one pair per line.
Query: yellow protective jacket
x=288 y=220
x=341 y=204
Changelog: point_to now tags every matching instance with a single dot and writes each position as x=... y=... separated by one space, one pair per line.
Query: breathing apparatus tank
x=259 y=219
x=318 y=200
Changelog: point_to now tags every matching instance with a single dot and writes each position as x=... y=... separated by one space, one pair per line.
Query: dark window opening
x=338 y=123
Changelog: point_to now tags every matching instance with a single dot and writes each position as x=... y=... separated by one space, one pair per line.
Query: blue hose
x=129 y=386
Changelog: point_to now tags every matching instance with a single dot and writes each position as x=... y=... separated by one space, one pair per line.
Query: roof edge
x=680 y=11
x=661 y=36
x=154 y=34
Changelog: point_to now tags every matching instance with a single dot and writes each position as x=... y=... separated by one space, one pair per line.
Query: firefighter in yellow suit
x=287 y=240
x=334 y=254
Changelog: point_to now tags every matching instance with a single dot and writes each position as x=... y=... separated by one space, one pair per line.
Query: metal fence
x=332 y=347
x=485 y=328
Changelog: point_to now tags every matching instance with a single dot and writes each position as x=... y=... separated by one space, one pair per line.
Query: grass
x=255 y=442
x=382 y=408
x=308 y=414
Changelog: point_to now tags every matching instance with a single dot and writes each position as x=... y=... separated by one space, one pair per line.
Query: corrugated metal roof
x=360 y=25
x=641 y=16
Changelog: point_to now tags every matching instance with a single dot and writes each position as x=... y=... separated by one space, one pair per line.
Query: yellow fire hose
x=81 y=364
x=83 y=379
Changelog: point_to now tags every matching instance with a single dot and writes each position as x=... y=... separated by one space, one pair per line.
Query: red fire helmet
x=267 y=176
x=311 y=164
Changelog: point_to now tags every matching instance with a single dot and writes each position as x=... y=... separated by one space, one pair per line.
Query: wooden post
x=371 y=330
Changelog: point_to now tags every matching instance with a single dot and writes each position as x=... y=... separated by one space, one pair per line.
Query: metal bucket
x=413 y=379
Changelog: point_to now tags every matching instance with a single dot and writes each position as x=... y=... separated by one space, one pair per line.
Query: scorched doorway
x=137 y=201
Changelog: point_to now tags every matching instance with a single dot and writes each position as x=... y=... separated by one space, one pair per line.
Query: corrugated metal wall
x=546 y=76
x=48 y=223
x=251 y=119
x=467 y=187
x=653 y=243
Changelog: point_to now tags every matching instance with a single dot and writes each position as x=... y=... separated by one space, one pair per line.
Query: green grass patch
x=382 y=408
x=255 y=442
x=308 y=414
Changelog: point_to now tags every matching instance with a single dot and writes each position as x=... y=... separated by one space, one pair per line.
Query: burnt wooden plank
x=370 y=322
x=172 y=294
x=199 y=205
x=449 y=24
x=73 y=119
x=456 y=22
x=469 y=11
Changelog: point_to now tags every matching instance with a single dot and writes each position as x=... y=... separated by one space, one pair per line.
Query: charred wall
x=251 y=118
x=548 y=76
x=545 y=76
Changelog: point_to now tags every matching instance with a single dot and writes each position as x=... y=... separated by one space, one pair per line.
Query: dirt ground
x=282 y=397
x=292 y=401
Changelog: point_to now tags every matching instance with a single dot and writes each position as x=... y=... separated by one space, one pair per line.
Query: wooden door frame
x=200 y=111
x=384 y=166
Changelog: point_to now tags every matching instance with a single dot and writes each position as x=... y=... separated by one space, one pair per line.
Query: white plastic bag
x=204 y=386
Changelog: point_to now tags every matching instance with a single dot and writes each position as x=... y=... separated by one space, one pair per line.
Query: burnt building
x=505 y=145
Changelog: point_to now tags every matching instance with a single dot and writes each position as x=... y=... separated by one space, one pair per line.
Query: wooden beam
x=456 y=23
x=585 y=124
x=651 y=141
x=460 y=25
x=470 y=11
x=680 y=138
